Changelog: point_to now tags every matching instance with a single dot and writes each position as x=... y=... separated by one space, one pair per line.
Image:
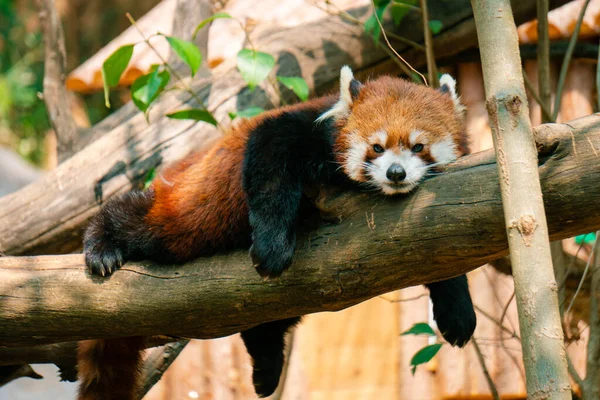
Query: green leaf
x=147 y=87
x=208 y=20
x=420 y=328
x=187 y=51
x=399 y=11
x=424 y=355
x=588 y=238
x=296 y=84
x=247 y=112
x=113 y=67
x=254 y=66
x=371 y=24
x=435 y=26
x=381 y=3
x=194 y=114
x=149 y=178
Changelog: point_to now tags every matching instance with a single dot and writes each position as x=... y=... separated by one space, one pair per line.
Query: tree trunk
x=525 y=219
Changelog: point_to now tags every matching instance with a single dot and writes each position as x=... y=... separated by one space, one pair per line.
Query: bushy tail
x=119 y=233
x=109 y=369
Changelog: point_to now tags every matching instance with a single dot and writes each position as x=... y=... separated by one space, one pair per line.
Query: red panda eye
x=417 y=148
x=378 y=148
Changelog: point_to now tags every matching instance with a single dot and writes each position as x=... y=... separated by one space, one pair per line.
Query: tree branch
x=544 y=354
x=454 y=220
x=55 y=92
x=48 y=216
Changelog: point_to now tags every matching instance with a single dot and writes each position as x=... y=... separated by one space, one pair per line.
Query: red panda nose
x=396 y=173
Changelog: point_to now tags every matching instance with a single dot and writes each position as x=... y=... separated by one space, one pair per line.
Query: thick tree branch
x=381 y=244
x=544 y=354
x=48 y=216
x=55 y=92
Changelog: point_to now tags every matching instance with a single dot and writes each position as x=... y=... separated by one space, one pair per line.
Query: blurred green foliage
x=23 y=117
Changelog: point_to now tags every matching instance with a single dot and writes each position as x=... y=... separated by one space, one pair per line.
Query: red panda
x=246 y=191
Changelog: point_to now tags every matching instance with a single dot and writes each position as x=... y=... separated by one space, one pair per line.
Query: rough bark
x=156 y=364
x=535 y=286
x=55 y=92
x=48 y=216
x=381 y=244
x=188 y=14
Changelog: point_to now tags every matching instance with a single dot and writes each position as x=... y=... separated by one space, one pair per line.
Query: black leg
x=119 y=233
x=266 y=344
x=453 y=309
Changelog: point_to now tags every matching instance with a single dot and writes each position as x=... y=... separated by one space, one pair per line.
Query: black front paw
x=271 y=258
x=456 y=321
x=103 y=259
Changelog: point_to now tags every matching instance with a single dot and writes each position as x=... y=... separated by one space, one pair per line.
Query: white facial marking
x=416 y=137
x=450 y=83
x=444 y=151
x=413 y=165
x=341 y=109
x=355 y=158
x=379 y=137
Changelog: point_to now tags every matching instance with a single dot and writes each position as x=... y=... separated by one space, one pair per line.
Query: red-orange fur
x=109 y=369
x=199 y=203
x=397 y=107
x=199 y=206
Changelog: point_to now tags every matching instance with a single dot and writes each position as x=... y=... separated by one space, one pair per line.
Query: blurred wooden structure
x=359 y=353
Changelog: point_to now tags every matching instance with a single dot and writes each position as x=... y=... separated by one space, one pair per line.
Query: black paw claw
x=270 y=264
x=103 y=259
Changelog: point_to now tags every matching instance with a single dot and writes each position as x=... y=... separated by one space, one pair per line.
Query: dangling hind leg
x=266 y=345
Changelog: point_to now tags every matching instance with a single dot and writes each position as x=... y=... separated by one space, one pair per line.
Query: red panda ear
x=349 y=91
x=448 y=85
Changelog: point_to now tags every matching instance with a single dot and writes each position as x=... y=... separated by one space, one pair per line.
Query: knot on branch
x=526 y=226
x=512 y=103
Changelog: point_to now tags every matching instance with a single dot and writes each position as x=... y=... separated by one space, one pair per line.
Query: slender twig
x=391 y=47
x=403 y=300
x=500 y=325
x=486 y=373
x=546 y=113
x=431 y=67
x=543 y=57
x=173 y=72
x=587 y=267
x=505 y=309
x=568 y=272
x=350 y=18
x=567 y=60
x=591 y=383
x=399 y=63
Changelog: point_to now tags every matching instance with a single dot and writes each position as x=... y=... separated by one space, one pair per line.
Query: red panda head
x=391 y=131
